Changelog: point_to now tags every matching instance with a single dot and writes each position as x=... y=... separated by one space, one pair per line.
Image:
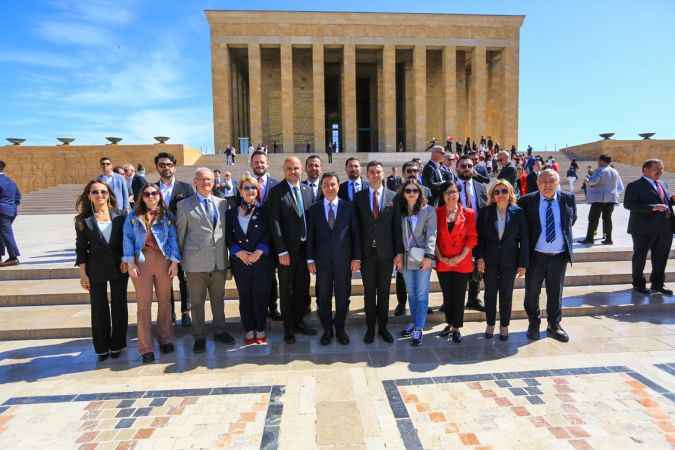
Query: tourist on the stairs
x=550 y=215
x=650 y=225
x=603 y=188
x=249 y=240
x=98 y=248
x=456 y=238
x=10 y=197
x=503 y=253
x=117 y=183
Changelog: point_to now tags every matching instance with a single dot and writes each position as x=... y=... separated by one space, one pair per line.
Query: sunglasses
x=411 y=191
x=150 y=194
x=500 y=191
x=98 y=192
x=249 y=188
x=106 y=164
x=466 y=166
x=451 y=192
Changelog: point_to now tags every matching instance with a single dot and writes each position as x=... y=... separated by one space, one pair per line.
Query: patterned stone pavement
x=612 y=386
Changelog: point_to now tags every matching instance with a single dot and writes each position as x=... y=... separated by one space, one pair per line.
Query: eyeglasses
x=500 y=191
x=451 y=192
x=249 y=188
x=150 y=194
x=466 y=166
x=411 y=191
x=104 y=193
x=165 y=165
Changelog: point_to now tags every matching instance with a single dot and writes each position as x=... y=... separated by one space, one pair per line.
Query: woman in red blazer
x=457 y=236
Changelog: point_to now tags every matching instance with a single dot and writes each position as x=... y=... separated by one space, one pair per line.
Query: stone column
x=222 y=96
x=478 y=92
x=420 y=75
x=389 y=100
x=287 y=116
x=318 y=98
x=510 y=113
x=255 y=94
x=349 y=98
x=450 y=91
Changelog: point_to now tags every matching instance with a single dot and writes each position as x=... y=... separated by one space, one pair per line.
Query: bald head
x=203 y=181
x=292 y=170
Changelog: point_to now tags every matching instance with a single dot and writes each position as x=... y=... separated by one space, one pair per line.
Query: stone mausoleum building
x=366 y=81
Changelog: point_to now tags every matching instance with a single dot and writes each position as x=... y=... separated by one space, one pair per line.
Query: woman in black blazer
x=503 y=253
x=249 y=241
x=98 y=229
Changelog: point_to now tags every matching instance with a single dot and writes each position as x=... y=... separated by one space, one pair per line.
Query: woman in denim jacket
x=153 y=262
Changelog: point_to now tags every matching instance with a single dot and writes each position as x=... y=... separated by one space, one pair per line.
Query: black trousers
x=659 y=245
x=499 y=281
x=474 y=286
x=376 y=274
x=549 y=268
x=184 y=299
x=329 y=281
x=330 y=157
x=294 y=289
x=453 y=285
x=597 y=209
x=253 y=286
x=109 y=319
x=401 y=291
x=274 y=292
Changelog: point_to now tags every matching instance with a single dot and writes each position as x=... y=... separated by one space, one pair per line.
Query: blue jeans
x=417 y=284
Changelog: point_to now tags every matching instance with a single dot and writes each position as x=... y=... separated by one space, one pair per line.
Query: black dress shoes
x=662 y=290
x=475 y=304
x=386 y=335
x=369 y=337
x=557 y=333
x=303 y=328
x=148 y=357
x=326 y=337
x=199 y=346
x=456 y=337
x=533 y=333
x=289 y=338
x=445 y=332
x=642 y=290
x=185 y=320
x=400 y=310
x=114 y=354
x=607 y=242
x=102 y=357
x=342 y=337
x=224 y=337
x=274 y=315
x=587 y=241
x=166 y=348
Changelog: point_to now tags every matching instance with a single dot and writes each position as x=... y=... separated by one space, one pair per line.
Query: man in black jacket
x=532 y=177
x=650 y=225
x=287 y=206
x=433 y=175
x=172 y=192
x=508 y=171
x=333 y=253
x=382 y=248
x=550 y=216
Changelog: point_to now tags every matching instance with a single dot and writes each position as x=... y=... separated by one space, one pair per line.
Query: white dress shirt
x=327 y=204
x=558 y=244
x=354 y=187
x=167 y=191
x=314 y=186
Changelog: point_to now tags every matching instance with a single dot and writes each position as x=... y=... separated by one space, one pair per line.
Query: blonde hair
x=491 y=191
x=247 y=178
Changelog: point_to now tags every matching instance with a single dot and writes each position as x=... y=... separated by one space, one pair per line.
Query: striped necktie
x=550 y=221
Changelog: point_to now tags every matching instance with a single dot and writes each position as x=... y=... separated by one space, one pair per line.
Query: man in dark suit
x=259 y=167
x=480 y=172
x=650 y=225
x=313 y=171
x=354 y=183
x=10 y=197
x=472 y=195
x=333 y=253
x=532 y=177
x=287 y=205
x=382 y=248
x=393 y=180
x=173 y=191
x=550 y=216
x=508 y=171
x=434 y=175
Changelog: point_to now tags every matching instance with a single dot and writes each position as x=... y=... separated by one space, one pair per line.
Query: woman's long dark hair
x=446 y=185
x=421 y=198
x=84 y=206
x=141 y=209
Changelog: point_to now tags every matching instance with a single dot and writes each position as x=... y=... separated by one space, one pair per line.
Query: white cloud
x=74 y=33
x=99 y=11
x=36 y=58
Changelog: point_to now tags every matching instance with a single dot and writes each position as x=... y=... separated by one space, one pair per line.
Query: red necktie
x=376 y=206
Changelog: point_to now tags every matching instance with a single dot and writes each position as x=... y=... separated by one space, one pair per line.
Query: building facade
x=364 y=81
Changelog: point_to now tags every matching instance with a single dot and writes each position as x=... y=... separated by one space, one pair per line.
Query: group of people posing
x=438 y=219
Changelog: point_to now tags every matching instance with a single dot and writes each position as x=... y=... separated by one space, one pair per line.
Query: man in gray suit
x=201 y=236
x=603 y=188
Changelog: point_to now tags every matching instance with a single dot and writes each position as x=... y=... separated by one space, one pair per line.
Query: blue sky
x=141 y=68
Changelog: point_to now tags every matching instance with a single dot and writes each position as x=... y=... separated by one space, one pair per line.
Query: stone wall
x=39 y=167
x=632 y=152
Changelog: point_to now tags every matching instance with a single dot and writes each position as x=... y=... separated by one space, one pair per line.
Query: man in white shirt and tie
x=313 y=169
x=354 y=183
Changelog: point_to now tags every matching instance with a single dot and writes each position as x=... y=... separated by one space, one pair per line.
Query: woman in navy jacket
x=502 y=252
x=249 y=241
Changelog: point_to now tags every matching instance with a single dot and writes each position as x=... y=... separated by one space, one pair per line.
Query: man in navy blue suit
x=10 y=197
x=333 y=253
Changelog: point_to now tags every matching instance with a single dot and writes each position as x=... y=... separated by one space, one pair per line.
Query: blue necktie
x=211 y=212
x=550 y=221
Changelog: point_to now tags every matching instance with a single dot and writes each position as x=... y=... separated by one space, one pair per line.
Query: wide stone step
x=18 y=293
x=72 y=321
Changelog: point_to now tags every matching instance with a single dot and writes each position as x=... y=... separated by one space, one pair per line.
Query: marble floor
x=611 y=386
